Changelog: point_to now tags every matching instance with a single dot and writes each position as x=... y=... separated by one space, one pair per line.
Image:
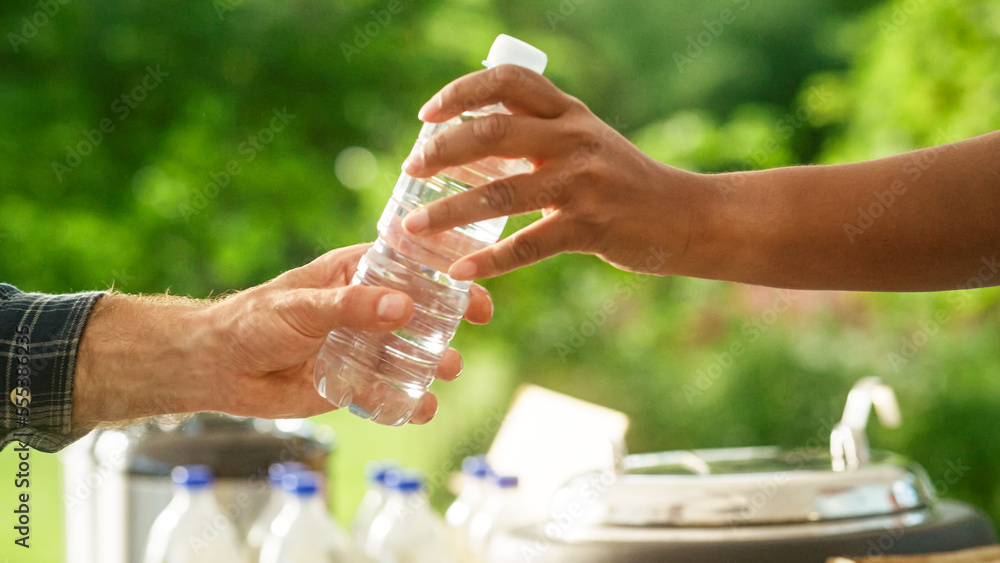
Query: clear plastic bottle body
x=373 y=501
x=495 y=514
x=460 y=512
x=261 y=526
x=383 y=376
x=406 y=530
x=303 y=532
x=475 y=471
x=192 y=529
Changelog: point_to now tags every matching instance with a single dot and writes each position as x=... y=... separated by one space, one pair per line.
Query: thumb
x=315 y=312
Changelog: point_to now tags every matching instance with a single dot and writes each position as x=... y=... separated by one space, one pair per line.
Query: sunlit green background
x=783 y=82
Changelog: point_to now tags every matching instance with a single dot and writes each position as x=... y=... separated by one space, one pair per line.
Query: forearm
x=141 y=357
x=132 y=357
x=925 y=220
x=920 y=221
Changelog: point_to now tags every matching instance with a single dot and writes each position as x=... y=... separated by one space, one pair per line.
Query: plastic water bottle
x=303 y=532
x=192 y=529
x=373 y=501
x=406 y=530
x=495 y=515
x=475 y=471
x=261 y=526
x=383 y=376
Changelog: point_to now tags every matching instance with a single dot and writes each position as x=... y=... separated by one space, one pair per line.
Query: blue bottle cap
x=376 y=472
x=301 y=483
x=192 y=476
x=404 y=481
x=279 y=470
x=476 y=466
x=504 y=481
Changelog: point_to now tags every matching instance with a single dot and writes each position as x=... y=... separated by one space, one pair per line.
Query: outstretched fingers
x=521 y=90
x=514 y=195
x=543 y=238
x=511 y=136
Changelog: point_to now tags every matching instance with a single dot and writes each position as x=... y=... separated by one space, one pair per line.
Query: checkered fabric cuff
x=39 y=337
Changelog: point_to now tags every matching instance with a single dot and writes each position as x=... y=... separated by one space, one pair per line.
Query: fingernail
x=391 y=307
x=489 y=299
x=430 y=108
x=417 y=222
x=415 y=161
x=463 y=271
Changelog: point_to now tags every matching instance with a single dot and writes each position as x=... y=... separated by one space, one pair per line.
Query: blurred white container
x=497 y=514
x=406 y=530
x=475 y=471
x=192 y=529
x=275 y=502
x=303 y=532
x=373 y=501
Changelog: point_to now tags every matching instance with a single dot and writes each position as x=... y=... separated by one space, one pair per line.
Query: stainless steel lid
x=234 y=447
x=744 y=486
x=760 y=485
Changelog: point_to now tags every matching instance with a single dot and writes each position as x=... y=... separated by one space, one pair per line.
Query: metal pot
x=749 y=505
x=117 y=481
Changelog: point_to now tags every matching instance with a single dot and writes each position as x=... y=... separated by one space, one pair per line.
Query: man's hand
x=250 y=354
x=598 y=193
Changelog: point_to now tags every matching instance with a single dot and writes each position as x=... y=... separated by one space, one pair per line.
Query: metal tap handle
x=848 y=442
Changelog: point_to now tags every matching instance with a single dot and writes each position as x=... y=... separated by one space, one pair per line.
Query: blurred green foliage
x=196 y=187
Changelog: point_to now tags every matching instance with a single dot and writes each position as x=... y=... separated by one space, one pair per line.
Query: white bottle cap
x=507 y=50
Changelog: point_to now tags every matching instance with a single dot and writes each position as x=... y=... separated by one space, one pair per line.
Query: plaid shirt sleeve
x=39 y=336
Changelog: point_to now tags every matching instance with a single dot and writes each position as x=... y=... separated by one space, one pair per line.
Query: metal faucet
x=848 y=442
